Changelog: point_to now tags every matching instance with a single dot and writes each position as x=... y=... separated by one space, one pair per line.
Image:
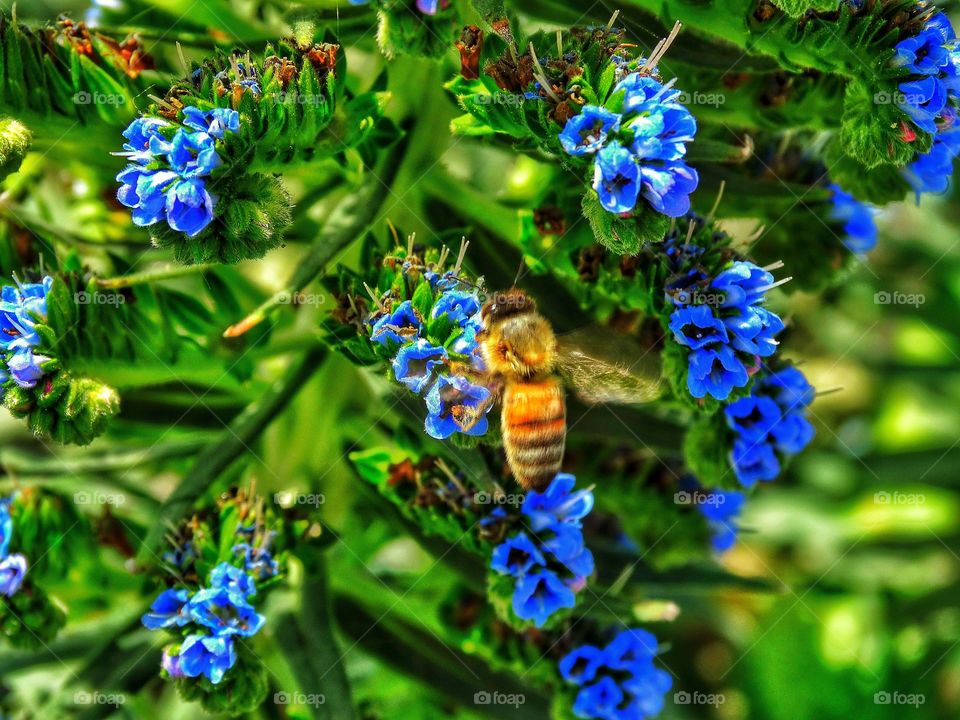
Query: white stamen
x=771 y=286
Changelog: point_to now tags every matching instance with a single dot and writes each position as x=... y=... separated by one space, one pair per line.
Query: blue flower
x=557 y=504
x=857 y=218
x=715 y=372
x=170 y=664
x=207 y=655
x=789 y=388
x=216 y=122
x=924 y=99
x=428 y=7
x=400 y=326
x=932 y=171
x=233 y=579
x=139 y=134
x=643 y=93
x=460 y=307
x=630 y=648
x=741 y=284
x=20 y=309
x=753 y=461
x=566 y=544
x=599 y=700
x=923 y=54
x=516 y=556
x=616 y=178
x=224 y=612
x=793 y=433
x=667 y=186
x=696 y=327
x=581 y=665
x=189 y=207
x=143 y=192
x=663 y=134
x=25 y=368
x=447 y=400
x=647 y=687
x=753 y=417
x=539 y=595
x=12 y=570
x=414 y=364
x=193 y=154
x=587 y=132
x=168 y=609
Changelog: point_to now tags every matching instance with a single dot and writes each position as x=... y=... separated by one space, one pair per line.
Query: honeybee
x=527 y=366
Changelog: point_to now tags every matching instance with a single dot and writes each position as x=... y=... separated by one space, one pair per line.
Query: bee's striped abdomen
x=534 y=425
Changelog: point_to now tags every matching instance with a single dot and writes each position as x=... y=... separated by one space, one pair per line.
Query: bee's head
x=506 y=304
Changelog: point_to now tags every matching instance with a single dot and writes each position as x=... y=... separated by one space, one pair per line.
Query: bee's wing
x=603 y=366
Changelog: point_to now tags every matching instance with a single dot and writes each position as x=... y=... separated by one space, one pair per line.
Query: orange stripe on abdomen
x=534 y=431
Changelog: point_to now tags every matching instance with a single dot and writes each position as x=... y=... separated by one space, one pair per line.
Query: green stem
x=149 y=276
x=237 y=438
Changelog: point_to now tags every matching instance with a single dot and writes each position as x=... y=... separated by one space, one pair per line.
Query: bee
x=527 y=368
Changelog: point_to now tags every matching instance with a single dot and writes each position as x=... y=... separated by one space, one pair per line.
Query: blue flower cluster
x=931 y=100
x=13 y=568
x=857 y=218
x=619 y=681
x=723 y=323
x=550 y=563
x=166 y=179
x=21 y=307
x=424 y=367
x=769 y=424
x=211 y=617
x=639 y=151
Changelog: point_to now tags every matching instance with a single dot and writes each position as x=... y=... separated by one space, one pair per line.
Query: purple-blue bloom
x=207 y=655
x=143 y=192
x=139 y=134
x=667 y=186
x=216 y=122
x=12 y=570
x=167 y=610
x=224 y=612
x=539 y=595
x=460 y=307
x=414 y=364
x=924 y=99
x=720 y=510
x=715 y=371
x=587 y=132
x=697 y=326
x=857 y=218
x=193 y=154
x=516 y=556
x=581 y=664
x=616 y=178
x=25 y=368
x=743 y=283
x=753 y=461
x=400 y=326
x=234 y=580
x=753 y=417
x=557 y=504
x=189 y=206
x=599 y=700
x=448 y=393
